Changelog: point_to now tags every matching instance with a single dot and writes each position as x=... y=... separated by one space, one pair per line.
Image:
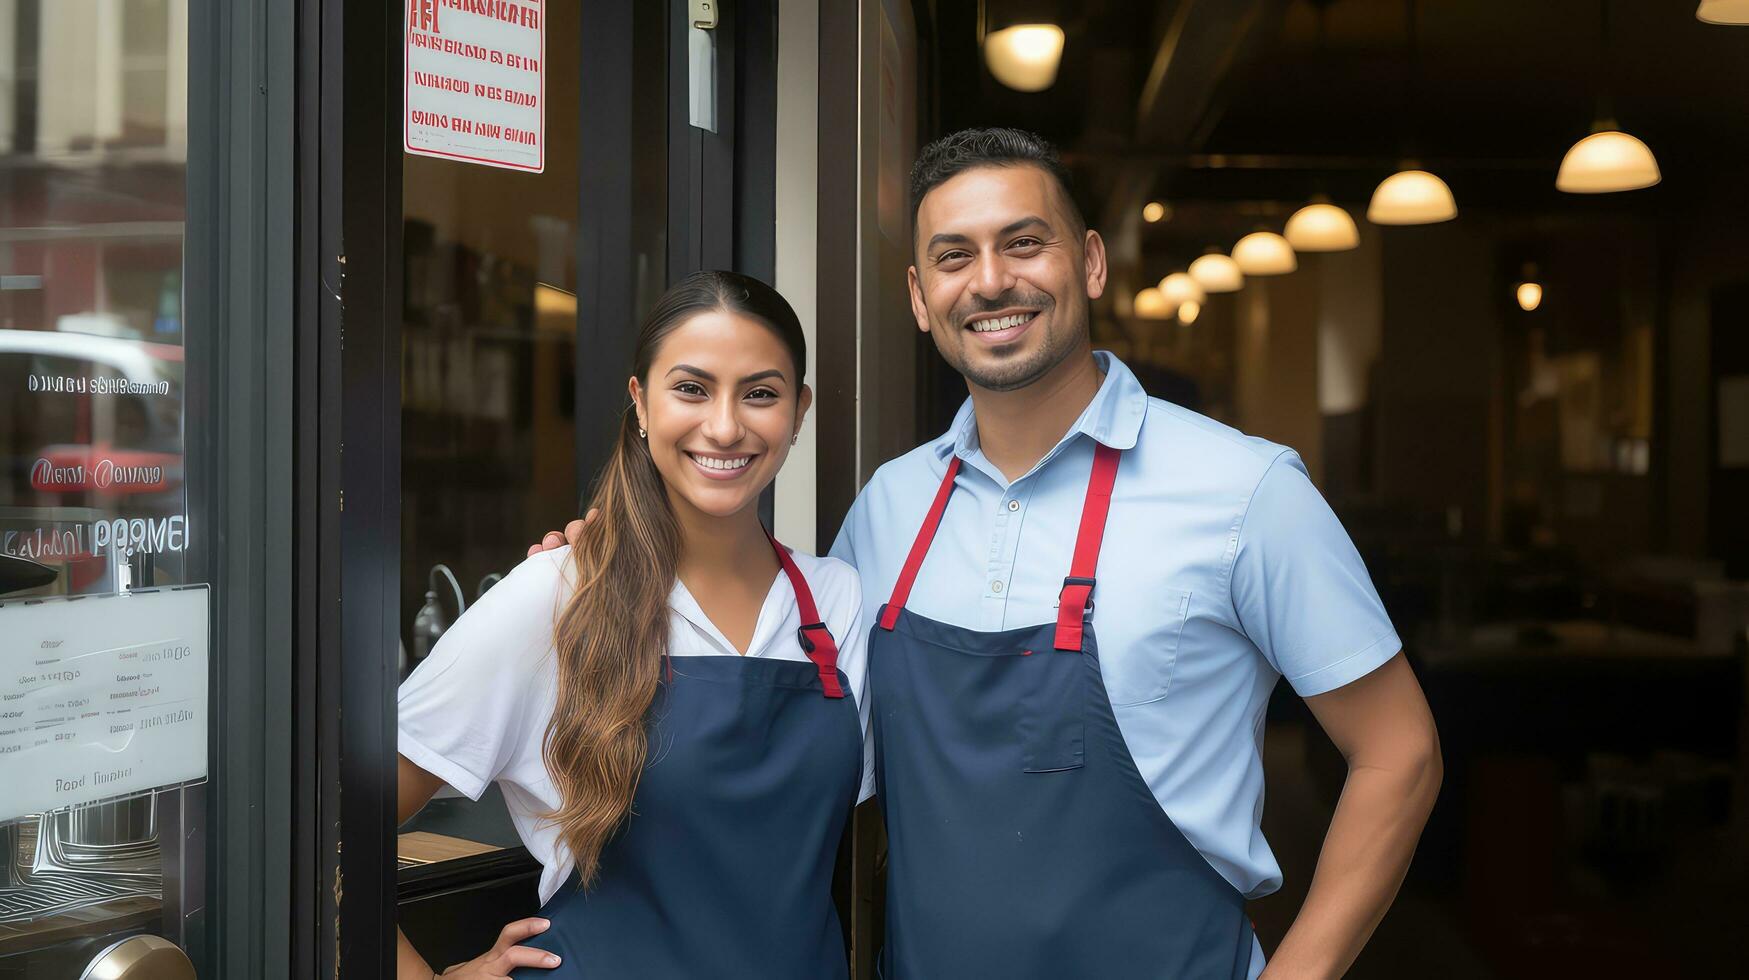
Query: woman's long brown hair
x=612 y=635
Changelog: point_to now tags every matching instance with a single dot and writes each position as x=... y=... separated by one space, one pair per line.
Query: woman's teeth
x=714 y=463
x=1001 y=322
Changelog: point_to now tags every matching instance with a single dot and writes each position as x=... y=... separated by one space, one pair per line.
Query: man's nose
x=991 y=278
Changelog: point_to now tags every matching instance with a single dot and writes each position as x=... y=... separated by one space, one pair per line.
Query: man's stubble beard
x=1060 y=341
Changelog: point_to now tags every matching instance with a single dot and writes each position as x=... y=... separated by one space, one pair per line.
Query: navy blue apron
x=1022 y=841
x=724 y=867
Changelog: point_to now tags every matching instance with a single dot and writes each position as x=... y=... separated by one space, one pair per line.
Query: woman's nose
x=723 y=427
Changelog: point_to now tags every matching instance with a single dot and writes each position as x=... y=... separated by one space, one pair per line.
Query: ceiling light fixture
x=1179 y=289
x=1217 y=273
x=1188 y=311
x=1151 y=304
x=1321 y=227
x=1723 y=11
x=1154 y=212
x=1608 y=160
x=1264 y=253
x=1025 y=57
x=1411 y=197
x=1529 y=292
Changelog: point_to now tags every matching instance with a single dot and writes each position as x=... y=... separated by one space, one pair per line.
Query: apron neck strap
x=814 y=637
x=1076 y=599
x=919 y=548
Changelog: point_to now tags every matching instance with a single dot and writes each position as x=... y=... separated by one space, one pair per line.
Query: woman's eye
x=762 y=394
x=690 y=388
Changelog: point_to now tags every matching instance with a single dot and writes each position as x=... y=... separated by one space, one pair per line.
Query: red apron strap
x=814 y=637
x=919 y=548
x=1076 y=599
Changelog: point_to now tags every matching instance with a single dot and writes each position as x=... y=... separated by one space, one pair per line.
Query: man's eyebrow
x=946 y=239
x=1029 y=221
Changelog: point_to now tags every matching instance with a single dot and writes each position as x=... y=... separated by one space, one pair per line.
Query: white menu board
x=475 y=83
x=101 y=696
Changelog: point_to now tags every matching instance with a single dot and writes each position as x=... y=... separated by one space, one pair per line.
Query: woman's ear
x=804 y=401
x=637 y=392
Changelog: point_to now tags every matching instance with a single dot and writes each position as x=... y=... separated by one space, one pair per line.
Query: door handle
x=142 y=957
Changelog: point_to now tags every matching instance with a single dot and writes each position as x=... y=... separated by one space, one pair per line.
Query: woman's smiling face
x=721 y=404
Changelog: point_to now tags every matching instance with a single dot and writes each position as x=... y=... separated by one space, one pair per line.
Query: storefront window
x=93 y=163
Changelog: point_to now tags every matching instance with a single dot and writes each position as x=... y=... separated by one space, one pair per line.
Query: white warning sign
x=475 y=88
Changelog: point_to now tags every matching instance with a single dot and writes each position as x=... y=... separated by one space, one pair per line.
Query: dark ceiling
x=1251 y=105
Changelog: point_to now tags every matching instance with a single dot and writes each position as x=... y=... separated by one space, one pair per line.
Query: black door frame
x=347 y=372
x=238 y=285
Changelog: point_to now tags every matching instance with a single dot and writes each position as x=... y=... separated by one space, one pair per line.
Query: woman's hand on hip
x=504 y=956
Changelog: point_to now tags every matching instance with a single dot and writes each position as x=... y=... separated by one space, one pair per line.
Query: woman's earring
x=641 y=433
x=792 y=439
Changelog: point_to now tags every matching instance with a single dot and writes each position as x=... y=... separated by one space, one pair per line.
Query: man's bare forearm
x=1365 y=856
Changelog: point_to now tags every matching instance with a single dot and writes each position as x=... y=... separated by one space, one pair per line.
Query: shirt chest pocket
x=1140 y=669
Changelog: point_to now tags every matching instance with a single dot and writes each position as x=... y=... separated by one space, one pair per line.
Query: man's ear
x=919 y=312
x=1093 y=258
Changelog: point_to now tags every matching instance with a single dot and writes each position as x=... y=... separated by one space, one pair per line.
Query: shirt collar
x=1113 y=418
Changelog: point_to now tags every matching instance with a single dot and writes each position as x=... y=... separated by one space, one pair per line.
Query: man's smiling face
x=1004 y=274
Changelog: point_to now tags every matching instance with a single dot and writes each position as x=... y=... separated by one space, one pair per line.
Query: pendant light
x=1321 y=227
x=1155 y=212
x=1605 y=162
x=1411 y=196
x=1217 y=273
x=1529 y=293
x=1025 y=57
x=1179 y=289
x=1151 y=304
x=1188 y=311
x=1608 y=160
x=1264 y=253
x=1723 y=11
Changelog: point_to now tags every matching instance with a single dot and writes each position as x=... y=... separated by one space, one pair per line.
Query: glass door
x=146 y=492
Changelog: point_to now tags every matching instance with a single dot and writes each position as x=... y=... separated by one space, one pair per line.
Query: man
x=1086 y=597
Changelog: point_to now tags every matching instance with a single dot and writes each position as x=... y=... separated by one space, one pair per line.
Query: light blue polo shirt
x=1222 y=570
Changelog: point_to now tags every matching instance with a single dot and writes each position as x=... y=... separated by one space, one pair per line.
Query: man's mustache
x=1038 y=301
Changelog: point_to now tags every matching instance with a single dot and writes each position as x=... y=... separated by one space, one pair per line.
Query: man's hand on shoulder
x=553 y=539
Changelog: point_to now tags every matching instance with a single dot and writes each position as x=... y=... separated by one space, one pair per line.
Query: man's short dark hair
x=993 y=146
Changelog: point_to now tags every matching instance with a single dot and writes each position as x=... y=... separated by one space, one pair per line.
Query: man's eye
x=1026 y=243
x=946 y=257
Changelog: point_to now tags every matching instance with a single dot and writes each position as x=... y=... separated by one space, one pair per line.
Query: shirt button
x=1013 y=505
x=996 y=586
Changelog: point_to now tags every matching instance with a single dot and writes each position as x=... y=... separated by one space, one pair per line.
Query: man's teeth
x=1001 y=322
x=713 y=463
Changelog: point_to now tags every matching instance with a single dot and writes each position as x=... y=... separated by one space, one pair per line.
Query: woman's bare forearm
x=409 y=965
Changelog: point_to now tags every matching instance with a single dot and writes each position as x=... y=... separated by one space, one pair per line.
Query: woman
x=676 y=709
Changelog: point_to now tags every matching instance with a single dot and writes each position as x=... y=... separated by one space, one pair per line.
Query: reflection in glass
x=93 y=151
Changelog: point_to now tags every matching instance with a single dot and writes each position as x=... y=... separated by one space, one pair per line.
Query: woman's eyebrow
x=706 y=375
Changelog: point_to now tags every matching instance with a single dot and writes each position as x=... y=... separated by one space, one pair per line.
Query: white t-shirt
x=476 y=710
